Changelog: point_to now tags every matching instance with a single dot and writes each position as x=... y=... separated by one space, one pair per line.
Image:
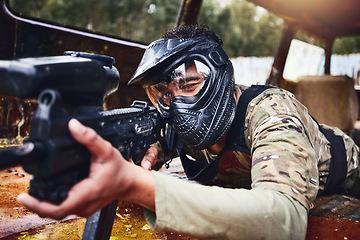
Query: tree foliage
x=347 y=45
x=245 y=29
x=139 y=20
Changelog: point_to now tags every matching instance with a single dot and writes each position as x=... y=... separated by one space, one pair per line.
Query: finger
x=90 y=139
x=43 y=209
x=150 y=158
x=80 y=201
x=83 y=201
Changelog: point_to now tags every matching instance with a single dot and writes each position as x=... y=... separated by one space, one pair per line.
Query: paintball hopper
x=81 y=78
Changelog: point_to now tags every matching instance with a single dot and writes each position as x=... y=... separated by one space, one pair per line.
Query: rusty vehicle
x=331 y=99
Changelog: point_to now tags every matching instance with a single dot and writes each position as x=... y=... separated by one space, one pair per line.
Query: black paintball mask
x=191 y=83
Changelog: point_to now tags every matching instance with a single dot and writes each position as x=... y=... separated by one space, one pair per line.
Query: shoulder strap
x=235 y=136
x=338 y=164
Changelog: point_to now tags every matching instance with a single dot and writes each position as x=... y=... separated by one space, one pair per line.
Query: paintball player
x=261 y=158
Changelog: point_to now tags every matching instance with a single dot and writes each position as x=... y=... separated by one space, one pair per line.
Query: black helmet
x=199 y=119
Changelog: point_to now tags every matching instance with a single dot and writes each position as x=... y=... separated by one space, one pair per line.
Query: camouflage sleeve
x=277 y=130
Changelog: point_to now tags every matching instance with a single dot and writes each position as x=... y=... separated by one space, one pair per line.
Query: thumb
x=90 y=139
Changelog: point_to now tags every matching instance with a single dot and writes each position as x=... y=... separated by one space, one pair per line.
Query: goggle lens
x=185 y=80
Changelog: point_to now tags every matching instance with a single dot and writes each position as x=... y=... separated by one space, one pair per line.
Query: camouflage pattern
x=288 y=152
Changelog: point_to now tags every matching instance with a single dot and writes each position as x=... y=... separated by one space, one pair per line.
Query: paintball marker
x=72 y=86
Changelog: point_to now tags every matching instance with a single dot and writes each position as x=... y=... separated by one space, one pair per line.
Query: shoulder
x=275 y=102
x=277 y=109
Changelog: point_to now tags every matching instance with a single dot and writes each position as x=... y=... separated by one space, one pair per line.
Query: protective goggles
x=186 y=80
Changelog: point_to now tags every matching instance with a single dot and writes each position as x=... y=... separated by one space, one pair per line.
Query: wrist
x=141 y=188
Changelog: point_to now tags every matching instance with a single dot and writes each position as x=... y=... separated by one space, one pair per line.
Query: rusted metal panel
x=334 y=217
x=188 y=12
x=337 y=206
x=7 y=33
x=322 y=19
x=275 y=77
x=327 y=19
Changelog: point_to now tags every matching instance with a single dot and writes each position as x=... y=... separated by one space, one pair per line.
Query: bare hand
x=111 y=177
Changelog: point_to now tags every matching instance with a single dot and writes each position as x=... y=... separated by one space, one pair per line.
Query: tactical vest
x=232 y=166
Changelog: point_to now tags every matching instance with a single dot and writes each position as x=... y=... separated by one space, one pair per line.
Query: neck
x=216 y=148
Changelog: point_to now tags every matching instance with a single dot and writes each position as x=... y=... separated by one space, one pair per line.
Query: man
x=259 y=146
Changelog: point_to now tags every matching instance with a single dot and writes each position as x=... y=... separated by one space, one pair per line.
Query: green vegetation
x=246 y=30
x=139 y=20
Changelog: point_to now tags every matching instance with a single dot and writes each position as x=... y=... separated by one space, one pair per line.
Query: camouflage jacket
x=288 y=153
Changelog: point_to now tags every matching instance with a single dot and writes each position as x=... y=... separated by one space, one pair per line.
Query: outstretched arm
x=182 y=206
x=111 y=177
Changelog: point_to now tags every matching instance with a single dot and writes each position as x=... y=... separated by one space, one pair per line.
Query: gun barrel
x=26 y=153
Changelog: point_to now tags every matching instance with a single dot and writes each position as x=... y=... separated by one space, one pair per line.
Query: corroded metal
x=188 y=12
x=326 y=19
x=275 y=77
x=337 y=206
x=322 y=19
x=334 y=217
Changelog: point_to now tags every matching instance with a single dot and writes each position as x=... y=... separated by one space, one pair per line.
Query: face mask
x=192 y=86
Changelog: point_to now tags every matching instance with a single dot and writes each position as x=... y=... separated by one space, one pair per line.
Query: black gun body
x=130 y=130
x=74 y=86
